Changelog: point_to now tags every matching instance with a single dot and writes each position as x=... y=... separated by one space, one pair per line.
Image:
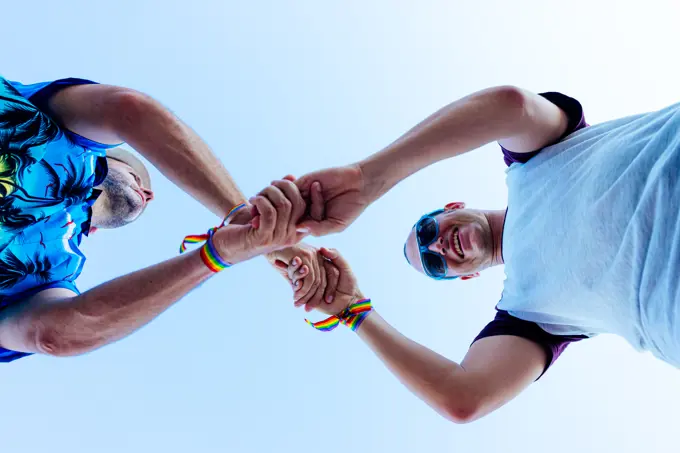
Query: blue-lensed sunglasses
x=427 y=231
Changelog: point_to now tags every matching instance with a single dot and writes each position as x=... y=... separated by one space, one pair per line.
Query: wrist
x=215 y=252
x=369 y=324
x=355 y=315
x=202 y=271
x=352 y=316
x=241 y=217
x=377 y=181
x=368 y=319
x=213 y=259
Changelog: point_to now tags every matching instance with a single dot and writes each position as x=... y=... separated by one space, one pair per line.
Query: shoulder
x=573 y=112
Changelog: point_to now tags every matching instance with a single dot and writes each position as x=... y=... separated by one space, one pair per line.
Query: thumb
x=317 y=206
x=335 y=257
x=290 y=178
x=310 y=226
x=301 y=235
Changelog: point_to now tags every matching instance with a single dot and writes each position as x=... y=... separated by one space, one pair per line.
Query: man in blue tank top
x=63 y=175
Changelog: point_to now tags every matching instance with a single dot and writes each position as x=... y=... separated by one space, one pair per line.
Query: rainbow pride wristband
x=211 y=258
x=209 y=254
x=351 y=316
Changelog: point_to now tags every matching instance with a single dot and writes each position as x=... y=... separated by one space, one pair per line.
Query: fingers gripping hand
x=338 y=275
x=304 y=271
x=275 y=214
x=332 y=279
x=308 y=277
x=317 y=208
x=335 y=197
x=341 y=280
x=313 y=277
x=294 y=198
x=277 y=210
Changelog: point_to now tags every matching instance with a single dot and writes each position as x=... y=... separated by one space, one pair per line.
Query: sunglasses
x=427 y=231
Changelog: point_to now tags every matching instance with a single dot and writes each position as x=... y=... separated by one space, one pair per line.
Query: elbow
x=55 y=343
x=462 y=411
x=130 y=105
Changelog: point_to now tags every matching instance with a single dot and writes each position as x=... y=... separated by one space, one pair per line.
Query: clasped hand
x=282 y=214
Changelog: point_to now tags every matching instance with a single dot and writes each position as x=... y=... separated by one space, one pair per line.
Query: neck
x=496 y=221
x=100 y=210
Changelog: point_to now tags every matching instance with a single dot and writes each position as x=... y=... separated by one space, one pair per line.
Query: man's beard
x=122 y=201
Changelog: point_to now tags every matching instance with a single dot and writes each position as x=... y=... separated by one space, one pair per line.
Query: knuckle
x=284 y=184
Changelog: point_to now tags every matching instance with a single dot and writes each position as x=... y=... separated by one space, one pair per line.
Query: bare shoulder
x=542 y=123
x=89 y=110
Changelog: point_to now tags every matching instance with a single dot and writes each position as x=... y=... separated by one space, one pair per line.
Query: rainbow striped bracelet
x=351 y=316
x=209 y=254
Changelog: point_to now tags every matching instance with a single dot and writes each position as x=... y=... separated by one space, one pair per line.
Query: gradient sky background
x=290 y=87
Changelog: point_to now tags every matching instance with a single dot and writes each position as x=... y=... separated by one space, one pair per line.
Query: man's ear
x=455 y=205
x=470 y=276
x=92 y=230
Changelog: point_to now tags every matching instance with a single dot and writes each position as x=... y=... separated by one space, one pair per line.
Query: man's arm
x=59 y=323
x=494 y=371
x=111 y=115
x=519 y=120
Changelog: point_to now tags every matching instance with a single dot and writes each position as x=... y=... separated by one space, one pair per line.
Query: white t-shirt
x=591 y=241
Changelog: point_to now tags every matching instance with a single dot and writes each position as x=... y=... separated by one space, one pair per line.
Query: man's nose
x=148 y=193
x=437 y=246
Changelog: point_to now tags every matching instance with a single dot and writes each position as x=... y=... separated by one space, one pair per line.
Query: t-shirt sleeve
x=40 y=93
x=576 y=121
x=506 y=324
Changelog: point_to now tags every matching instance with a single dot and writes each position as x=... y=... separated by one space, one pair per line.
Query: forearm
x=105 y=313
x=177 y=151
x=469 y=123
x=430 y=376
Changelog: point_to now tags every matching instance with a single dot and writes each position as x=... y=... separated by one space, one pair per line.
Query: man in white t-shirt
x=589 y=239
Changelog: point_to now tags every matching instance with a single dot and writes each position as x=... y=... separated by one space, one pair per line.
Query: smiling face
x=465 y=240
x=124 y=196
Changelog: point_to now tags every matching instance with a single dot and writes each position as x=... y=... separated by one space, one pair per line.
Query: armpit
x=506 y=324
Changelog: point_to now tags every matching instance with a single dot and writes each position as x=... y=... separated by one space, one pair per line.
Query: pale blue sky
x=290 y=87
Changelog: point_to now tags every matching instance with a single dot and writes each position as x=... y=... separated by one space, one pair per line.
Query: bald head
x=411 y=252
